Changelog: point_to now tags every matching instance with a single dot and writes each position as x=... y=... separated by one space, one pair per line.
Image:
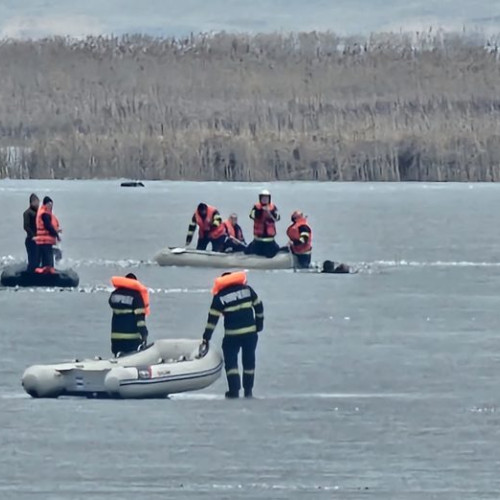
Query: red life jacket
x=264 y=226
x=43 y=237
x=205 y=225
x=293 y=233
x=131 y=284
x=231 y=230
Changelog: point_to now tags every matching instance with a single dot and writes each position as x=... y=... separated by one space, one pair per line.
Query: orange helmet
x=297 y=214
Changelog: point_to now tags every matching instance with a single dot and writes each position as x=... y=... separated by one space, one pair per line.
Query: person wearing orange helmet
x=300 y=235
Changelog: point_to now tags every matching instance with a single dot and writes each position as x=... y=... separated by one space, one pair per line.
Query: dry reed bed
x=226 y=107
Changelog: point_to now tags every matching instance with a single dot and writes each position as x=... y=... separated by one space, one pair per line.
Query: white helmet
x=264 y=192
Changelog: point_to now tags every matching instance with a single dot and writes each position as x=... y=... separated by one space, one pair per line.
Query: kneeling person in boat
x=300 y=234
x=130 y=304
x=243 y=313
x=235 y=241
x=210 y=228
x=264 y=215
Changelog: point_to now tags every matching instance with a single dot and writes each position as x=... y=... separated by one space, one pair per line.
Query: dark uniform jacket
x=242 y=309
x=129 y=315
x=29 y=222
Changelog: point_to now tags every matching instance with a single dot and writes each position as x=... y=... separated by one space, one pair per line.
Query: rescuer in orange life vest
x=130 y=304
x=243 y=314
x=210 y=228
x=47 y=234
x=264 y=215
x=235 y=241
x=300 y=234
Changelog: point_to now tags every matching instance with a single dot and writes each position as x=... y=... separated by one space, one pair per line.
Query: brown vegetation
x=236 y=107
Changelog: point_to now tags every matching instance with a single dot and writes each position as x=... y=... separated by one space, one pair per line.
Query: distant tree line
x=238 y=107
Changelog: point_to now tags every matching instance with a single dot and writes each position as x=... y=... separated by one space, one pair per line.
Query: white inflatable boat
x=167 y=366
x=238 y=260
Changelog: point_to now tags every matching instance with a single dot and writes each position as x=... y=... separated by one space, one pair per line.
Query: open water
x=376 y=385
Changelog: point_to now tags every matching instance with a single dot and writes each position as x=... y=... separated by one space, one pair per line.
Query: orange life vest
x=293 y=233
x=231 y=230
x=131 y=284
x=205 y=225
x=264 y=226
x=43 y=237
x=236 y=278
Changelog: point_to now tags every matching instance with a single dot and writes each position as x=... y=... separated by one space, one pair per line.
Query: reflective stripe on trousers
x=125 y=336
x=231 y=346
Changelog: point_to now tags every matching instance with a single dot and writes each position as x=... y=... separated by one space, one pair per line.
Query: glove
x=203 y=349
x=188 y=241
x=297 y=242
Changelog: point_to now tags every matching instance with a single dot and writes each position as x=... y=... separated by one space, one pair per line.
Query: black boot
x=233 y=386
x=248 y=379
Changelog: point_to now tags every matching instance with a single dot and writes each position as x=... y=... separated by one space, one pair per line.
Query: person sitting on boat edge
x=235 y=241
x=47 y=234
x=300 y=234
x=29 y=225
x=210 y=228
x=264 y=215
x=243 y=313
x=130 y=305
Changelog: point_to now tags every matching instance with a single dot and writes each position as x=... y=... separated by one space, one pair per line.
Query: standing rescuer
x=300 y=234
x=29 y=225
x=210 y=228
x=243 y=313
x=264 y=215
x=47 y=234
x=130 y=304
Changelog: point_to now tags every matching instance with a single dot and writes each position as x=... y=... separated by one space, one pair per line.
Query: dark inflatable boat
x=129 y=184
x=17 y=275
